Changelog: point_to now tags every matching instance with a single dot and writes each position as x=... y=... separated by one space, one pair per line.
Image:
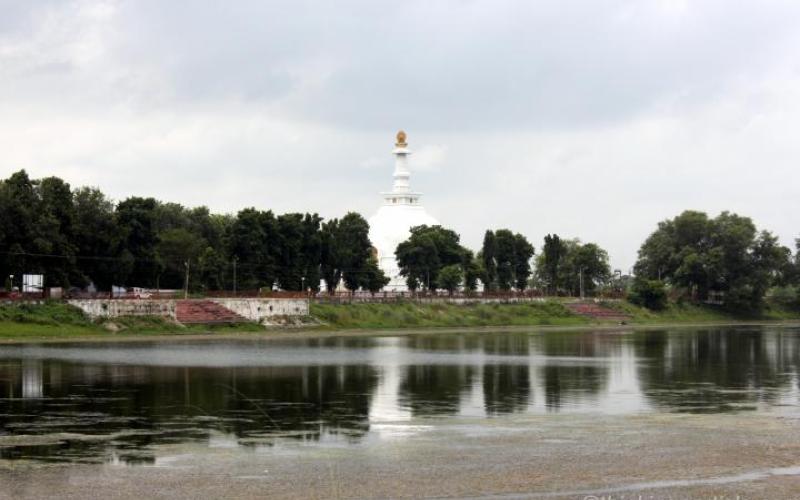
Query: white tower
x=401 y=211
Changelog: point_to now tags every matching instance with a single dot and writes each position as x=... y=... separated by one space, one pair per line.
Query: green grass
x=58 y=320
x=412 y=315
x=698 y=313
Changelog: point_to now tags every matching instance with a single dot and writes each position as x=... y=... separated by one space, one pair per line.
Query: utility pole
x=234 y=274
x=186 y=283
x=580 y=280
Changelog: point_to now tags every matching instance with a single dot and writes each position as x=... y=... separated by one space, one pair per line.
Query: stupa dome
x=401 y=211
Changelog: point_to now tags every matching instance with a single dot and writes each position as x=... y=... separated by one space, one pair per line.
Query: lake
x=121 y=403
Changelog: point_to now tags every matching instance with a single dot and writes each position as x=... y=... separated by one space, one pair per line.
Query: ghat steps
x=204 y=312
x=596 y=311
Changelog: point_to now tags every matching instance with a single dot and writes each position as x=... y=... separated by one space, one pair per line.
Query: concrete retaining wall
x=256 y=309
x=259 y=310
x=107 y=308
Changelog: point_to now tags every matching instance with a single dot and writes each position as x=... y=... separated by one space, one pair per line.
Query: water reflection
x=116 y=402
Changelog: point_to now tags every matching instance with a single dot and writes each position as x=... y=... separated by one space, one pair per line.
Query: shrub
x=651 y=294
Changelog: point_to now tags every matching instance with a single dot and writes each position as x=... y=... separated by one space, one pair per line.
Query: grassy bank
x=693 y=313
x=412 y=315
x=59 y=320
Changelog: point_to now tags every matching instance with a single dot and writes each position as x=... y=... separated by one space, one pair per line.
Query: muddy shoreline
x=551 y=456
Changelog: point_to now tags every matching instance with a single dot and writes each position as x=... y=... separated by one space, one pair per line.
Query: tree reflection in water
x=335 y=389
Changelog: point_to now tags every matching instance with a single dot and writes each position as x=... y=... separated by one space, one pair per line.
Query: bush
x=787 y=296
x=651 y=294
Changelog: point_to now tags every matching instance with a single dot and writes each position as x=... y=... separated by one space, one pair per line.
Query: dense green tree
x=329 y=255
x=651 y=294
x=374 y=279
x=488 y=258
x=98 y=240
x=725 y=254
x=472 y=270
x=553 y=252
x=353 y=249
x=22 y=239
x=450 y=278
x=584 y=262
x=179 y=251
x=427 y=250
x=136 y=218
x=253 y=242
x=523 y=253
x=505 y=258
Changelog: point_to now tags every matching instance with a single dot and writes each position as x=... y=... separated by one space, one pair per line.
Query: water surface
x=118 y=402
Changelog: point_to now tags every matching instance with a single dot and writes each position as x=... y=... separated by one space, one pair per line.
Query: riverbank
x=58 y=321
x=516 y=456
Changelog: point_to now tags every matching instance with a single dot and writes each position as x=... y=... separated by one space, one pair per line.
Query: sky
x=592 y=119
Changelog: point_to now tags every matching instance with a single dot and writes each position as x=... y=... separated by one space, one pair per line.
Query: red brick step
x=596 y=311
x=198 y=311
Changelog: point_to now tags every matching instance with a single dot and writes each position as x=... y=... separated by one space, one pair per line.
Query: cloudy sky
x=592 y=119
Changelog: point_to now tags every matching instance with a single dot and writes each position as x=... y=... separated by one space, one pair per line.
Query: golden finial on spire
x=401 y=139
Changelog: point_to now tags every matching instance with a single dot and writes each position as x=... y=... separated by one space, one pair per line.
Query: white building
x=401 y=211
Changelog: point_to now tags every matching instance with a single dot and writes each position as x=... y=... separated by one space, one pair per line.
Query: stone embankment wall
x=110 y=308
x=261 y=310
x=255 y=309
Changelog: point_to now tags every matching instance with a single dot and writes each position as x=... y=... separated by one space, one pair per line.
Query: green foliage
x=409 y=314
x=450 y=278
x=564 y=263
x=651 y=294
x=550 y=261
x=726 y=254
x=374 y=279
x=427 y=251
x=472 y=270
x=346 y=255
x=489 y=260
x=787 y=296
x=75 y=237
x=506 y=260
x=523 y=253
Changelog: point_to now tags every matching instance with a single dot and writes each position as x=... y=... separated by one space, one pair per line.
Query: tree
x=488 y=253
x=586 y=264
x=651 y=294
x=136 y=220
x=553 y=251
x=523 y=253
x=505 y=258
x=253 y=242
x=418 y=259
x=97 y=240
x=725 y=254
x=427 y=250
x=472 y=270
x=353 y=249
x=450 y=278
x=374 y=277
x=56 y=221
x=329 y=255
x=178 y=248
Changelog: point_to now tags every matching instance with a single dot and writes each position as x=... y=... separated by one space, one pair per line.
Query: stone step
x=596 y=311
x=198 y=311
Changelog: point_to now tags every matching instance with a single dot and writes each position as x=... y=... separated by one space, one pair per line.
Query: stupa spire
x=401 y=173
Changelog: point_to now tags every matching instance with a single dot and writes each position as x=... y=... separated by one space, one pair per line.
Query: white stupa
x=401 y=211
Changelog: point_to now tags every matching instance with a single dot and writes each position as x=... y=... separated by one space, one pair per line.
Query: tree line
x=433 y=258
x=75 y=237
